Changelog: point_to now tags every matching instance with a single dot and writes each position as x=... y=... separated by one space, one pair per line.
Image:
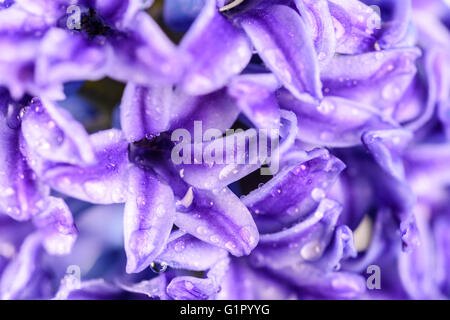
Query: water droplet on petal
x=311 y=251
x=179 y=246
x=141 y=202
x=317 y=194
x=202 y=230
x=230 y=246
x=391 y=92
x=326 y=107
x=160 y=211
x=95 y=189
x=157 y=267
x=214 y=239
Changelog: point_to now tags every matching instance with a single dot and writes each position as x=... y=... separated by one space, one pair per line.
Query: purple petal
x=444 y=116
x=382 y=243
x=20 y=270
x=102 y=183
x=335 y=122
x=96 y=289
x=56 y=224
x=209 y=70
x=154 y=288
x=320 y=21
x=145 y=111
x=54 y=135
x=22 y=194
x=216 y=164
x=411 y=105
x=284 y=44
x=255 y=96
x=355 y=193
x=148 y=218
x=378 y=79
x=387 y=147
x=329 y=285
x=437 y=65
x=312 y=268
x=50 y=10
x=294 y=191
x=355 y=25
x=417 y=268
x=6 y=4
x=428 y=19
x=218 y=218
x=12 y=233
x=19 y=45
x=442 y=243
x=243 y=282
x=396 y=29
x=304 y=242
x=399 y=197
x=119 y=13
x=341 y=248
x=427 y=169
x=65 y=56
x=189 y=253
x=148 y=111
x=191 y=288
x=215 y=111
x=142 y=59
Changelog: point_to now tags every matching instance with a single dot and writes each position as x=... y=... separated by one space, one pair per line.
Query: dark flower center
x=93 y=25
x=145 y=152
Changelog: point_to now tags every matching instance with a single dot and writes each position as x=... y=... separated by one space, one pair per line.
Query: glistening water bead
x=158 y=267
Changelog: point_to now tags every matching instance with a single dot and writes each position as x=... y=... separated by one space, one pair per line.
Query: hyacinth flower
x=420 y=273
x=87 y=272
x=430 y=20
x=134 y=166
x=48 y=43
x=360 y=101
x=29 y=272
x=342 y=121
x=45 y=126
x=383 y=181
x=311 y=33
x=299 y=251
x=46 y=221
x=52 y=231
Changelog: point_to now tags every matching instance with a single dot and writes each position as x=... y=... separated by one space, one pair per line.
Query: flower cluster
x=94 y=94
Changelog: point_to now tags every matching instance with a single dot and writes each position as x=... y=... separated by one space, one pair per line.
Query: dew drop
x=317 y=194
x=179 y=246
x=160 y=211
x=8 y=192
x=214 y=239
x=141 y=202
x=158 y=267
x=202 y=230
x=95 y=189
x=230 y=245
x=391 y=92
x=311 y=251
x=326 y=107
